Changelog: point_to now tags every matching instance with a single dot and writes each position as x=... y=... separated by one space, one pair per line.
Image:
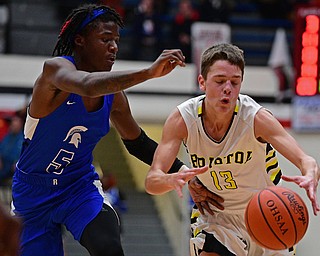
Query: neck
x=216 y=124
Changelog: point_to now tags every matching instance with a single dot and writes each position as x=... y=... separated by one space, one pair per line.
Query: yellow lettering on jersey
x=197 y=161
x=238 y=157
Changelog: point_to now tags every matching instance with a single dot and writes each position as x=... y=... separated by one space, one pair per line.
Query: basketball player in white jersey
x=229 y=138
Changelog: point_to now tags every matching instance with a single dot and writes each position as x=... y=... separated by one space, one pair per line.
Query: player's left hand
x=310 y=184
x=166 y=62
x=204 y=198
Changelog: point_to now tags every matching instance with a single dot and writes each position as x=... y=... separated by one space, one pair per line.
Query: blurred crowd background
x=31 y=26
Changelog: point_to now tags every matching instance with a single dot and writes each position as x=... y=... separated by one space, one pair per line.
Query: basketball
x=276 y=218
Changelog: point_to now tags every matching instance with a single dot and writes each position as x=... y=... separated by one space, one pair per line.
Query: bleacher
x=255 y=34
x=33 y=27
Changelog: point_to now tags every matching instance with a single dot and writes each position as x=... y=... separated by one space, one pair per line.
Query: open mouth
x=225 y=101
x=111 y=58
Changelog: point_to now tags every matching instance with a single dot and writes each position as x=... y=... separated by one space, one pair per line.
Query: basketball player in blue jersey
x=230 y=140
x=73 y=99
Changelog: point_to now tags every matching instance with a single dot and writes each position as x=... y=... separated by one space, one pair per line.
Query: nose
x=227 y=87
x=113 y=47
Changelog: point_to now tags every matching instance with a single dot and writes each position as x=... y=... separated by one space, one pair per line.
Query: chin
x=108 y=68
x=226 y=108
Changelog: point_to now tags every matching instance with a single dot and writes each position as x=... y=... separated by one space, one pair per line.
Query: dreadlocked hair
x=70 y=27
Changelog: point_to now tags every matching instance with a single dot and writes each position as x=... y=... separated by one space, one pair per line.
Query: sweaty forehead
x=224 y=68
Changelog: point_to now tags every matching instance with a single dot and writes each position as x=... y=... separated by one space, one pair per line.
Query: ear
x=78 y=40
x=202 y=83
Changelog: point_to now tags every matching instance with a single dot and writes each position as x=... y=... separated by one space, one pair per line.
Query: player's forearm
x=157 y=182
x=102 y=83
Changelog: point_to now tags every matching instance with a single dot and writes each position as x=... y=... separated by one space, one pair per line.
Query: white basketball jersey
x=239 y=165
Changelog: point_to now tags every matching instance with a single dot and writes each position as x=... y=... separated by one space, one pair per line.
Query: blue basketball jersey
x=61 y=144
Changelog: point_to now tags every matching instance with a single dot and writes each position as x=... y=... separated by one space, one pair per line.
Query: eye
x=236 y=82
x=105 y=40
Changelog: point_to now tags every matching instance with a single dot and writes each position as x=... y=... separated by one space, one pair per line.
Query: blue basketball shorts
x=44 y=208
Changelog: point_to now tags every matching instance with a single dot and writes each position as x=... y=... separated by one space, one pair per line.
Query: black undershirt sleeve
x=144 y=147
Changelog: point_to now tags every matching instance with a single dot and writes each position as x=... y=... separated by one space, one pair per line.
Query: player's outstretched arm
x=61 y=74
x=157 y=180
x=268 y=128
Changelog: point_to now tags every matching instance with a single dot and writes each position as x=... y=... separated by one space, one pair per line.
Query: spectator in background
x=281 y=63
x=10 y=147
x=215 y=10
x=4 y=126
x=181 y=28
x=115 y=196
x=115 y=4
x=146 y=31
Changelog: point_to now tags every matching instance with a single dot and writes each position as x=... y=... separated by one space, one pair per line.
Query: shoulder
x=266 y=125
x=248 y=105
x=52 y=67
x=192 y=104
x=189 y=113
x=247 y=109
x=57 y=62
x=175 y=124
x=247 y=101
x=47 y=96
x=53 y=70
x=264 y=116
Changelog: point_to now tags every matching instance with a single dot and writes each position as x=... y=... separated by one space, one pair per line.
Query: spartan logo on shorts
x=75 y=135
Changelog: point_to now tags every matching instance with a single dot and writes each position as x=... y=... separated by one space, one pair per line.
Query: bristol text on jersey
x=239 y=157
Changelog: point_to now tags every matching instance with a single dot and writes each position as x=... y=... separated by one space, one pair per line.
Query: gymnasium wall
x=22 y=71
